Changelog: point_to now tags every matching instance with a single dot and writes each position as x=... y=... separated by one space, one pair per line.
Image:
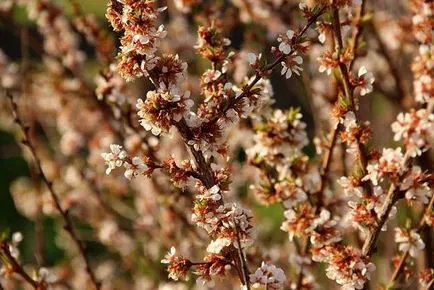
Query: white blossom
x=213 y=193
x=268 y=275
x=251 y=58
x=409 y=241
x=137 y=168
x=414 y=186
x=293 y=67
x=322 y=37
x=217 y=245
x=416 y=129
x=114 y=158
x=366 y=81
x=47 y=276
x=169 y=256
x=349 y=188
x=285 y=42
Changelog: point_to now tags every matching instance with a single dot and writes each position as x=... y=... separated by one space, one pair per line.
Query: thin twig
x=392 y=197
x=269 y=68
x=243 y=261
x=68 y=226
x=16 y=267
x=324 y=173
x=205 y=168
x=348 y=89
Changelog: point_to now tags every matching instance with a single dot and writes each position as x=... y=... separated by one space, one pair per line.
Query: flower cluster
x=188 y=138
x=277 y=153
x=162 y=109
x=212 y=44
x=415 y=129
x=117 y=157
x=426 y=278
x=417 y=185
x=141 y=38
x=60 y=41
x=346 y=265
x=228 y=224
x=285 y=42
x=327 y=62
x=110 y=86
x=365 y=209
x=292 y=65
x=269 y=276
x=355 y=134
x=214 y=265
x=348 y=268
x=178 y=266
x=390 y=165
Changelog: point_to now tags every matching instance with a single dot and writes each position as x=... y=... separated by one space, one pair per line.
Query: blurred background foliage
x=13 y=165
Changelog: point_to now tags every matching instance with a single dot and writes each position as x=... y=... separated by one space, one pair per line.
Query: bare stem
x=243 y=261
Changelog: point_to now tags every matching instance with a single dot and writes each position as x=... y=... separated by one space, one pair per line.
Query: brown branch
x=205 y=168
x=16 y=267
x=392 y=197
x=68 y=225
x=243 y=261
x=326 y=163
x=269 y=68
x=320 y=203
x=348 y=89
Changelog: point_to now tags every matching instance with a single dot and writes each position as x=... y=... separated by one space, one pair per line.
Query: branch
x=68 y=226
x=391 y=198
x=324 y=173
x=348 y=89
x=16 y=267
x=269 y=68
x=243 y=261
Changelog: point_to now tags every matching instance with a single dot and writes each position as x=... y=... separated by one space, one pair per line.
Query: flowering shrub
x=174 y=159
